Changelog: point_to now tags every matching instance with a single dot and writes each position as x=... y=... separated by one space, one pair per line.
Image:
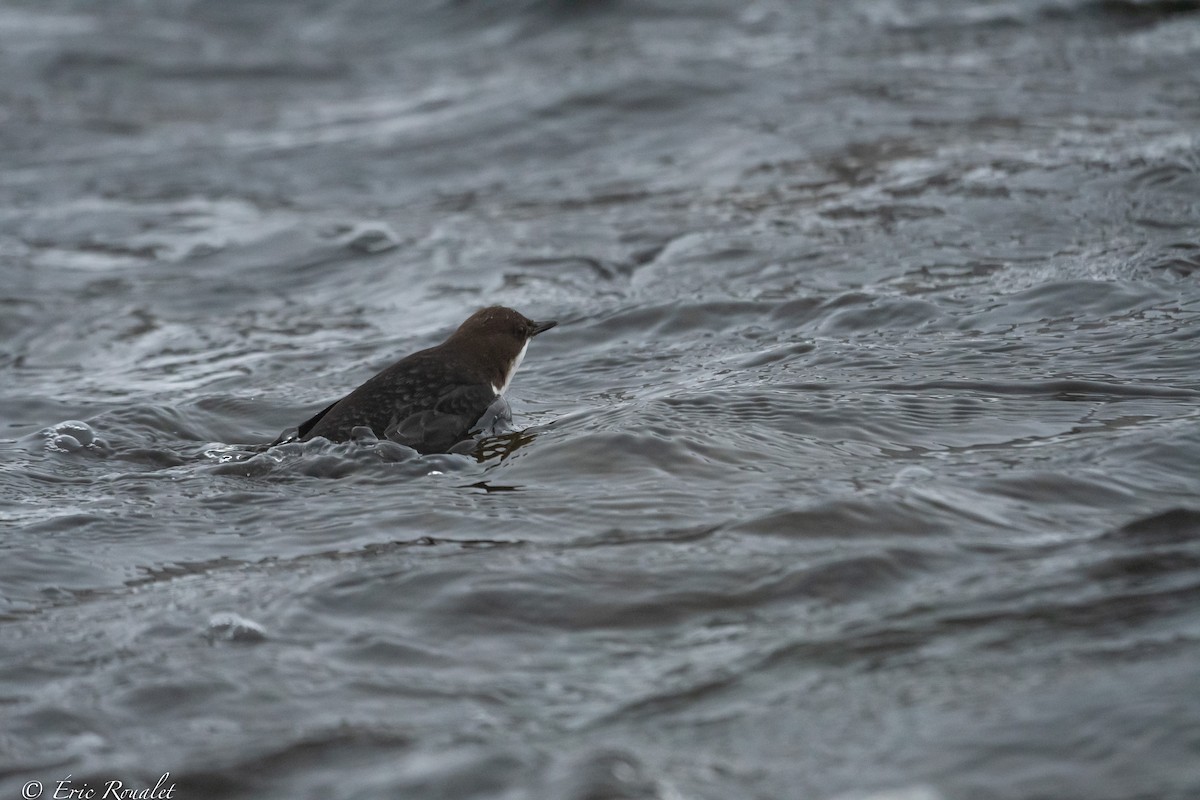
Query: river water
x=862 y=463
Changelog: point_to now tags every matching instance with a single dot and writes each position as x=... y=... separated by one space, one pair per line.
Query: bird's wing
x=449 y=421
x=373 y=405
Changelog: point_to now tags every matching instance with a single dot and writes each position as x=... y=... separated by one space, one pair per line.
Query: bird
x=434 y=399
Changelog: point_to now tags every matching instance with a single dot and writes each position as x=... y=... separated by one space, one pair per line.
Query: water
x=862 y=463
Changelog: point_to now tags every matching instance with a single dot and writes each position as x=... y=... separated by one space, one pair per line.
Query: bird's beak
x=541 y=327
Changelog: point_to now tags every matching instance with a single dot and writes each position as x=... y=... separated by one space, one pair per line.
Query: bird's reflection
x=502 y=446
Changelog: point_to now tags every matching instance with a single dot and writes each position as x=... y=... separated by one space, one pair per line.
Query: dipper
x=431 y=400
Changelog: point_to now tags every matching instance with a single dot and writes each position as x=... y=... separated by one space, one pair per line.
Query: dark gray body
x=434 y=399
x=422 y=402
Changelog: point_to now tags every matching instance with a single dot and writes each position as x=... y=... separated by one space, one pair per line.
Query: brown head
x=498 y=337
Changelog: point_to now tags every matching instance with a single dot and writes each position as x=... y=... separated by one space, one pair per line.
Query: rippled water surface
x=862 y=464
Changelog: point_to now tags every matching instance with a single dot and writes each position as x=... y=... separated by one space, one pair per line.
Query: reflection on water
x=501 y=447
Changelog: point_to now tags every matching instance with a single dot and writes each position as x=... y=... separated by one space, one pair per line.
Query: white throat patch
x=512 y=370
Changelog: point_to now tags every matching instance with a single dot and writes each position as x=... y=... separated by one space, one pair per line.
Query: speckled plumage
x=432 y=399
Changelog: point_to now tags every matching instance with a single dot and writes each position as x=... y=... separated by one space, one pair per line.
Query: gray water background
x=863 y=462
